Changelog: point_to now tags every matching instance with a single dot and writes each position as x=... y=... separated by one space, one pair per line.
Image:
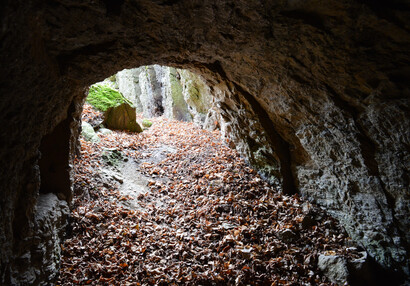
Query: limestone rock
x=50 y=221
x=104 y=131
x=197 y=95
x=174 y=102
x=122 y=117
x=161 y=90
x=87 y=131
x=334 y=267
x=42 y=261
x=212 y=119
x=151 y=92
x=129 y=86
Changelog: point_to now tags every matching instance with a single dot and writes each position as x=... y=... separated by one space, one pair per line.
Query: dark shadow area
x=54 y=166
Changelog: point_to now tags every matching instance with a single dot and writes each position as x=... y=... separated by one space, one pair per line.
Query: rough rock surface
x=161 y=90
x=335 y=268
x=151 y=92
x=122 y=117
x=197 y=95
x=341 y=271
x=42 y=261
x=316 y=93
x=128 y=84
x=88 y=132
x=173 y=100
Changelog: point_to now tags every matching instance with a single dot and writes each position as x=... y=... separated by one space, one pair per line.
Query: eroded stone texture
x=42 y=261
x=174 y=101
x=174 y=93
x=335 y=267
x=315 y=92
x=198 y=97
x=122 y=117
x=151 y=92
x=128 y=84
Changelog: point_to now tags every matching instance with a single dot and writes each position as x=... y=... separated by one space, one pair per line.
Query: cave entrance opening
x=139 y=196
x=201 y=215
x=169 y=109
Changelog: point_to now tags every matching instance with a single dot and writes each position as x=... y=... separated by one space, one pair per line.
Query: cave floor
x=179 y=207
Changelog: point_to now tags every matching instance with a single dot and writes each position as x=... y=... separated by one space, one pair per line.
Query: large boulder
x=102 y=96
x=122 y=117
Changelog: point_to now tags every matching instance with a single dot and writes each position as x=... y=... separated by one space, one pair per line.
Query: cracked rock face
x=314 y=94
x=42 y=261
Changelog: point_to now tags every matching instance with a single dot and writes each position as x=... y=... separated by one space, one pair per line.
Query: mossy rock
x=196 y=92
x=122 y=117
x=179 y=106
x=146 y=123
x=103 y=97
x=87 y=131
x=112 y=157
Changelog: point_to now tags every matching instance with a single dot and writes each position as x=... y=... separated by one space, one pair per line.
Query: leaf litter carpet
x=207 y=218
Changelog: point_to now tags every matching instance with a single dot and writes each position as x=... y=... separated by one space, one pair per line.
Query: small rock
x=104 y=131
x=334 y=267
x=112 y=156
x=87 y=131
x=146 y=123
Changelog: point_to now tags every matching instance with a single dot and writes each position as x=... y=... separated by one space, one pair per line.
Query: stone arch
x=310 y=88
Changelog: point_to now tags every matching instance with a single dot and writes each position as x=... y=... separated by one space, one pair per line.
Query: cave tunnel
x=317 y=96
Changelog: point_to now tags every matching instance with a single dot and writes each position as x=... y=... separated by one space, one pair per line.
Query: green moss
x=176 y=87
x=146 y=123
x=196 y=92
x=179 y=106
x=103 y=97
x=113 y=78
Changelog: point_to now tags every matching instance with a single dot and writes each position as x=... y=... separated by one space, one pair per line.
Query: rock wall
x=160 y=90
x=41 y=260
x=151 y=93
x=174 y=100
x=128 y=84
x=314 y=92
x=198 y=97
